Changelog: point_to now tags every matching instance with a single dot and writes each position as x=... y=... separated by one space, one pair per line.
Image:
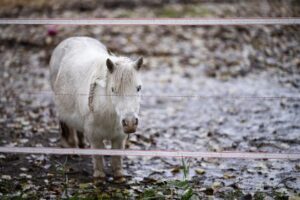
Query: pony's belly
x=106 y=128
x=69 y=113
x=74 y=120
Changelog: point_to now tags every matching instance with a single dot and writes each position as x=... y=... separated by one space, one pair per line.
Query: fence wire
x=187 y=96
x=154 y=21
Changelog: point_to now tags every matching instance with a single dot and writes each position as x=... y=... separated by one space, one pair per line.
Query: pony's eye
x=138 y=88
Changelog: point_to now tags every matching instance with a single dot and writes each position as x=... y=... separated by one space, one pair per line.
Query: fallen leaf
x=6 y=177
x=229 y=175
x=175 y=170
x=200 y=171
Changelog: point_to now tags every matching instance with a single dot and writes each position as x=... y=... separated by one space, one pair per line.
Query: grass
x=280 y=196
x=181 y=189
x=185 y=168
x=62 y=169
x=259 y=196
x=236 y=194
x=172 y=189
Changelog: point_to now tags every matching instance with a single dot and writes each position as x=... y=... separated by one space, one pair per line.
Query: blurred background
x=210 y=88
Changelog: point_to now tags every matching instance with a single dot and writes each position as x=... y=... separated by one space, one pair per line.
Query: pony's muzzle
x=130 y=123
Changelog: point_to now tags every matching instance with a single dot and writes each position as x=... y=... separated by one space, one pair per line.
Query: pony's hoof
x=119 y=179
x=99 y=175
x=119 y=176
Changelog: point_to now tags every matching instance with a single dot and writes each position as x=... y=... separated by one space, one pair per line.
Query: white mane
x=123 y=75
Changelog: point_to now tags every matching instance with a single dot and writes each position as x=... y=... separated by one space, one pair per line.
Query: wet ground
x=206 y=89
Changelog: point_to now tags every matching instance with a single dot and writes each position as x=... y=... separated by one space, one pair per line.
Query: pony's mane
x=124 y=73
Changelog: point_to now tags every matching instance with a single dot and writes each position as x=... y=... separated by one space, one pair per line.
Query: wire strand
x=291 y=97
x=154 y=21
x=150 y=153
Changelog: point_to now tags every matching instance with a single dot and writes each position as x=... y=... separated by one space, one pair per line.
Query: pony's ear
x=138 y=63
x=110 y=65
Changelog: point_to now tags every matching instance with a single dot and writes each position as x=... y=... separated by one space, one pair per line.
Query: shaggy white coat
x=76 y=64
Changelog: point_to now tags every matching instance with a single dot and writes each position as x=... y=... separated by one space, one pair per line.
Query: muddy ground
x=215 y=88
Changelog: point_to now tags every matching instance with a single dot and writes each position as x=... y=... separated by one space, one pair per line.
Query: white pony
x=97 y=96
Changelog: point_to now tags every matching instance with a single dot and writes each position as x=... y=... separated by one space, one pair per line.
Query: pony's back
x=74 y=64
x=74 y=48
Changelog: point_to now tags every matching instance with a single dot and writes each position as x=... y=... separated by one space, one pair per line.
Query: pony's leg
x=116 y=161
x=98 y=161
x=81 y=141
x=68 y=136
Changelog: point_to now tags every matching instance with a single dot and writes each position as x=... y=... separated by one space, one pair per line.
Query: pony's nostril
x=124 y=122
x=136 y=121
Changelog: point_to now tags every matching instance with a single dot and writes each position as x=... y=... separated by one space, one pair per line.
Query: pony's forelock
x=124 y=74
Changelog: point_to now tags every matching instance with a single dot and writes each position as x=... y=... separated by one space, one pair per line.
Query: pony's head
x=124 y=87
